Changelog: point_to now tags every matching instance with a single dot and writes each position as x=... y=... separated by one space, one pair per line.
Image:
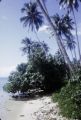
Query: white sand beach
x=37 y=109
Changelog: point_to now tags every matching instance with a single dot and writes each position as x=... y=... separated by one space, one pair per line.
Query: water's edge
x=3 y=96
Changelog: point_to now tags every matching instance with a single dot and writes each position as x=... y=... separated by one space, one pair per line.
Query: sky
x=12 y=32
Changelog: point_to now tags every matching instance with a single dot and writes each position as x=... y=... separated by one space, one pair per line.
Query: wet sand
x=11 y=109
x=20 y=110
x=34 y=109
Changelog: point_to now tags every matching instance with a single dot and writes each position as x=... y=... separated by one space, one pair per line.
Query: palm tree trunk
x=36 y=35
x=77 y=36
x=71 y=54
x=60 y=45
x=75 y=54
x=45 y=6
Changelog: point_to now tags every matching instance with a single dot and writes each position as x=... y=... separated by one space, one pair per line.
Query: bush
x=52 y=69
x=43 y=72
x=8 y=88
x=15 y=80
x=69 y=100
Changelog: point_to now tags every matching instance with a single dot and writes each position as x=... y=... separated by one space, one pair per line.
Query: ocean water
x=3 y=94
x=3 y=97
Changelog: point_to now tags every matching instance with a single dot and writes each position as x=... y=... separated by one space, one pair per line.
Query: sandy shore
x=12 y=109
x=20 y=110
x=38 y=109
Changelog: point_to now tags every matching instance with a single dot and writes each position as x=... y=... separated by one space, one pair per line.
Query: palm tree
x=27 y=46
x=59 y=42
x=32 y=48
x=33 y=18
x=71 y=45
x=64 y=26
x=44 y=4
x=71 y=5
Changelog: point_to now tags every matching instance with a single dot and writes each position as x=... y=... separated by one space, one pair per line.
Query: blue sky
x=12 y=32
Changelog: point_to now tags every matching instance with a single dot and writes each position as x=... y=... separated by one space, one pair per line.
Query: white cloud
x=5 y=71
x=44 y=28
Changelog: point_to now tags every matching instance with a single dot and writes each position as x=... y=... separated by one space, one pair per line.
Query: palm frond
x=33 y=18
x=70 y=4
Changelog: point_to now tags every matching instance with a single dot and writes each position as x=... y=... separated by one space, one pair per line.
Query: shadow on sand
x=30 y=96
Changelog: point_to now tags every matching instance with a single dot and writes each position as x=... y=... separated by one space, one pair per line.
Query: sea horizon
x=3 y=77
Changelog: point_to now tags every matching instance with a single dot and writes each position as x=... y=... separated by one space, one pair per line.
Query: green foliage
x=35 y=80
x=16 y=79
x=33 y=48
x=69 y=99
x=76 y=76
x=64 y=26
x=8 y=88
x=52 y=69
x=70 y=4
x=43 y=71
x=22 y=68
x=33 y=17
x=24 y=86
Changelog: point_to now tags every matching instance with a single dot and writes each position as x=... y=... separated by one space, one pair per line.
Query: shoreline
x=35 y=109
x=20 y=109
x=11 y=109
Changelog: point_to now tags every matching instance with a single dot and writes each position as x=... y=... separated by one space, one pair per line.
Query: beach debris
x=49 y=111
x=21 y=115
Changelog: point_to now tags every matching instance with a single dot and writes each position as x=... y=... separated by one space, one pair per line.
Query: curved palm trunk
x=75 y=54
x=71 y=54
x=36 y=35
x=61 y=47
x=77 y=37
x=44 y=6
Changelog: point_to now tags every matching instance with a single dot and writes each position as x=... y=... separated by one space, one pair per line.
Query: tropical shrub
x=42 y=71
x=69 y=100
x=53 y=71
x=15 y=79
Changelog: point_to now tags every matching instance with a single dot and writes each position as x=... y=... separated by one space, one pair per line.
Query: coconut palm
x=59 y=42
x=71 y=5
x=71 y=45
x=27 y=46
x=44 y=4
x=33 y=17
x=30 y=47
x=64 y=25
